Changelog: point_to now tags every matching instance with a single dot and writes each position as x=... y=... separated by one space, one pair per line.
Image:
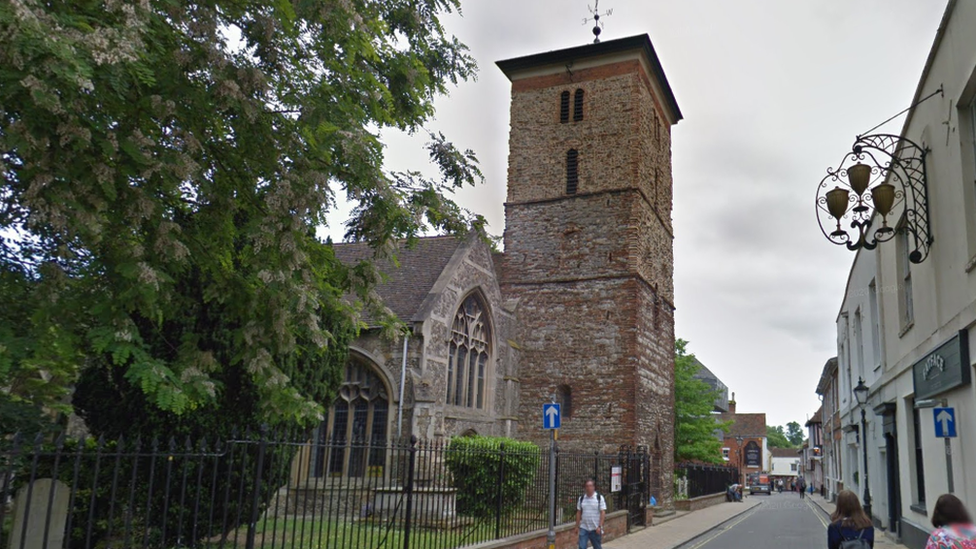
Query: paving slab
x=685 y=528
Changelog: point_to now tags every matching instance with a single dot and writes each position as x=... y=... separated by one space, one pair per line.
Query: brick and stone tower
x=588 y=245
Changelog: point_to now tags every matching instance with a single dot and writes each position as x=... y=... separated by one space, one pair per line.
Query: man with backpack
x=591 y=511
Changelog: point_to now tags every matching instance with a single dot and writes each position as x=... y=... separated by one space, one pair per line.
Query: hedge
x=474 y=464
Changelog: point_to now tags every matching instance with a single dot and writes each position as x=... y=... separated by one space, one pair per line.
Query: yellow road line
x=726 y=529
x=817 y=512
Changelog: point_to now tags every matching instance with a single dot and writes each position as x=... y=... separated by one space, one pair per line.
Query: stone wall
x=592 y=272
x=701 y=502
x=424 y=411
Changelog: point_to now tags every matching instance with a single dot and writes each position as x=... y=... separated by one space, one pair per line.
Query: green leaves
x=164 y=168
x=695 y=427
x=475 y=464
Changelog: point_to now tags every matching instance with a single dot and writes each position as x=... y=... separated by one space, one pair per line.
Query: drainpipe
x=403 y=381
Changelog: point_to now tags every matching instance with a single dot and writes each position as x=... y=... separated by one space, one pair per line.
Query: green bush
x=474 y=463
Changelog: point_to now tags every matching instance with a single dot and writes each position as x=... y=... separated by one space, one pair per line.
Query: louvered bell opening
x=578 y=106
x=572 y=171
x=564 y=107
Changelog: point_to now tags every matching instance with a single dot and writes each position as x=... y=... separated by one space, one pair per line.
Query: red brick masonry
x=616 y=526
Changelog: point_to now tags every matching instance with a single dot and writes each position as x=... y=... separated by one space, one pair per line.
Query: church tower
x=588 y=246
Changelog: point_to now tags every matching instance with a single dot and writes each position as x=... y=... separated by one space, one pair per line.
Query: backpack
x=857 y=543
x=599 y=499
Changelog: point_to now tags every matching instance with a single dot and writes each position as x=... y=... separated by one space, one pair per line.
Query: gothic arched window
x=352 y=440
x=469 y=354
x=564 y=107
x=578 y=105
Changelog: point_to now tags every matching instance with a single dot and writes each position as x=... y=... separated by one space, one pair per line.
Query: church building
x=580 y=306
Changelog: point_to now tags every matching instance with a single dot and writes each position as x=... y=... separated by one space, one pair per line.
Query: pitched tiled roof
x=817 y=417
x=745 y=425
x=784 y=452
x=408 y=284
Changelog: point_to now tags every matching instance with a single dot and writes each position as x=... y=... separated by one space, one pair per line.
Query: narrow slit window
x=564 y=107
x=572 y=171
x=578 y=105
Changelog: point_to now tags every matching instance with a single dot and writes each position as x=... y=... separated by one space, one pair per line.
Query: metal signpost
x=945 y=428
x=551 y=420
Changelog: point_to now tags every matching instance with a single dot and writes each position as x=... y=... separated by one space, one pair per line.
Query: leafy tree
x=474 y=464
x=695 y=426
x=776 y=438
x=794 y=433
x=164 y=167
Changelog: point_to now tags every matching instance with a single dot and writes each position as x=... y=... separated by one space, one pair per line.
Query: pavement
x=881 y=540
x=686 y=527
x=760 y=522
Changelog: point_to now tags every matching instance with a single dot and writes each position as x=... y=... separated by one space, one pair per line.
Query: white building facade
x=907 y=328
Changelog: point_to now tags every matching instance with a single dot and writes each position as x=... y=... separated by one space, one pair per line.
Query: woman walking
x=850 y=527
x=953 y=525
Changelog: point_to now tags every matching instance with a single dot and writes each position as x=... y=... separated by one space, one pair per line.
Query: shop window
x=919 y=465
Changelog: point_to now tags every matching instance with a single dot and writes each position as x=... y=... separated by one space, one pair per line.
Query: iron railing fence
x=703 y=480
x=283 y=490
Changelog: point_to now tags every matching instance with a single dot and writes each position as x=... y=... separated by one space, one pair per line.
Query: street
x=783 y=520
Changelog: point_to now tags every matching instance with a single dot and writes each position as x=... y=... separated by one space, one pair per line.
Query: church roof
x=407 y=285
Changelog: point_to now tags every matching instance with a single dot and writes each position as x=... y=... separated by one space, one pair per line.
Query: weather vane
x=597 y=25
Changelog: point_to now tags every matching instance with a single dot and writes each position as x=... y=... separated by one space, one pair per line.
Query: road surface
x=783 y=520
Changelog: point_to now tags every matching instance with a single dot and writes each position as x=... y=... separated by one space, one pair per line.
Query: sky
x=773 y=93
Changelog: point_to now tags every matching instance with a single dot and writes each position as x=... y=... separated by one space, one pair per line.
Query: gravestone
x=35 y=511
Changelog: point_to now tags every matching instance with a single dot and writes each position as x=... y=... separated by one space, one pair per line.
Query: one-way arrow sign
x=550 y=416
x=945 y=422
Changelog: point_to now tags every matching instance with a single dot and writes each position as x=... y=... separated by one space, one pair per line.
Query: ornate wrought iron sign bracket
x=882 y=178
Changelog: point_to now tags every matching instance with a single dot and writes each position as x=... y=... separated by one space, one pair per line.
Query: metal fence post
x=408 y=489
x=501 y=482
x=256 y=495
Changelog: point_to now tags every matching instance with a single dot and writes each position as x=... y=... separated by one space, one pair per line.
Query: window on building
x=578 y=105
x=468 y=355
x=725 y=453
x=919 y=457
x=353 y=437
x=564 y=107
x=905 y=300
x=572 y=171
x=875 y=321
x=794 y=467
x=564 y=396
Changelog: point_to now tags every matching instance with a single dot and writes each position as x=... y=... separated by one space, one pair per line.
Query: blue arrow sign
x=945 y=422
x=550 y=416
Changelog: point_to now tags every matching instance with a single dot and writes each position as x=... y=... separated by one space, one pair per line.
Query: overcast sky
x=773 y=92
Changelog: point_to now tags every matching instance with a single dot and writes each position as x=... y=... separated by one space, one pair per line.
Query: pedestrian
x=779 y=486
x=591 y=511
x=954 y=527
x=850 y=527
x=801 y=486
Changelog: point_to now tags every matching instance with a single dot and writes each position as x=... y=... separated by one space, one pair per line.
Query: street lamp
x=738 y=442
x=861 y=394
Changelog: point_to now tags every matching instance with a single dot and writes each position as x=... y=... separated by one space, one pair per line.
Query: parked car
x=760 y=485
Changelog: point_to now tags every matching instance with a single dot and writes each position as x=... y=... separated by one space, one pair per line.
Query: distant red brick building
x=745 y=444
